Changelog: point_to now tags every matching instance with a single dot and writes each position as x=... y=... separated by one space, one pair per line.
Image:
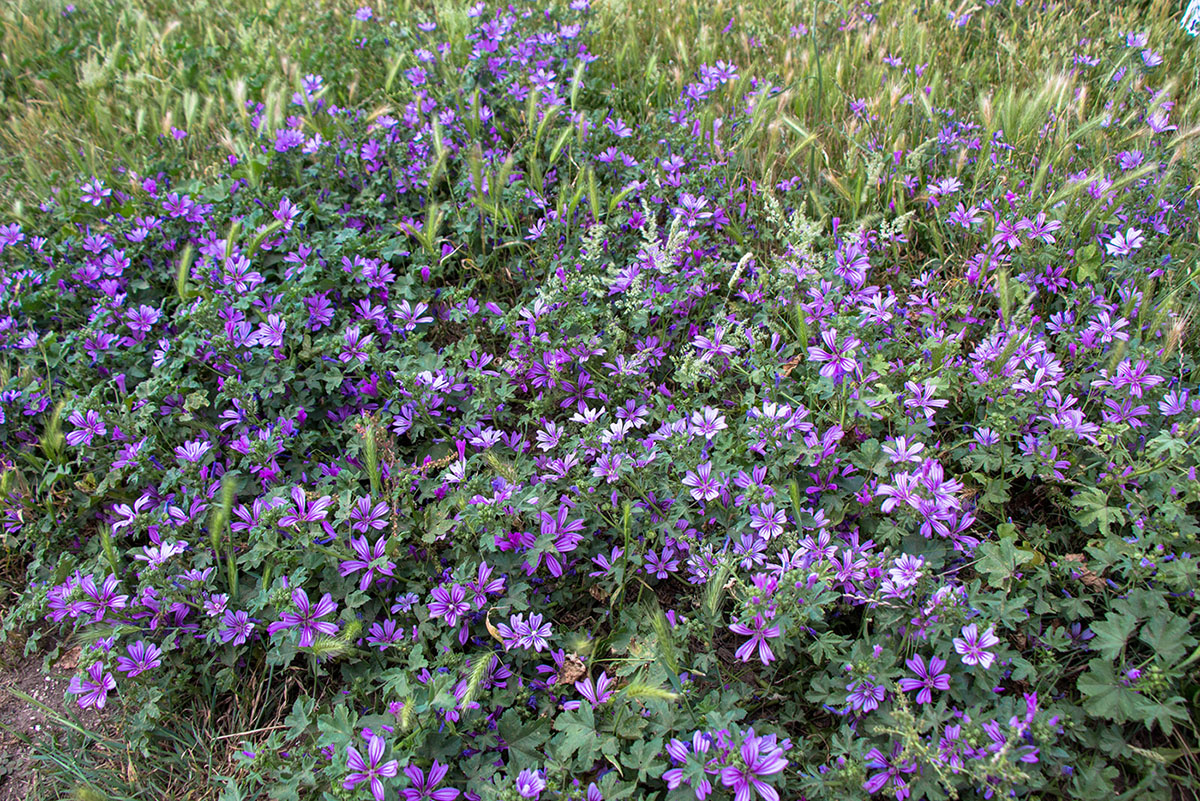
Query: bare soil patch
x=22 y=723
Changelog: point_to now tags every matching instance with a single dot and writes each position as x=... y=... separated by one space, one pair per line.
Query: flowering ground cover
x=641 y=401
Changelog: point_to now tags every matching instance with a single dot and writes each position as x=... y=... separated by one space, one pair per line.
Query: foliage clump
x=527 y=438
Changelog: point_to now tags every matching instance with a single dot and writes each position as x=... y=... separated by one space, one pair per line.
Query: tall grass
x=102 y=86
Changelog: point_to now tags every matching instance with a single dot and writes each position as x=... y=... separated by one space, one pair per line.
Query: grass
x=104 y=85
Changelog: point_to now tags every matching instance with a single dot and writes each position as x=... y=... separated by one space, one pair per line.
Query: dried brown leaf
x=571 y=670
x=1084 y=573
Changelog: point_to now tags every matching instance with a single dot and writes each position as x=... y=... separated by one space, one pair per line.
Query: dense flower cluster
x=553 y=454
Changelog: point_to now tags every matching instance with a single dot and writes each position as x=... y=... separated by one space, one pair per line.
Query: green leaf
x=524 y=739
x=1170 y=639
x=1087 y=262
x=300 y=716
x=1111 y=634
x=1164 y=713
x=579 y=738
x=231 y=792
x=644 y=756
x=1104 y=697
x=996 y=491
x=1000 y=560
x=1093 y=509
x=336 y=729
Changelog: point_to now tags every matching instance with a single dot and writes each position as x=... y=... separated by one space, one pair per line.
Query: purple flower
x=596 y=692
x=411 y=316
x=193 y=451
x=530 y=783
x=320 y=311
x=142 y=657
x=521 y=634
x=305 y=511
x=10 y=235
x=95 y=192
x=761 y=756
x=307 y=620
x=93 y=691
x=1040 y=228
x=767 y=520
x=356 y=345
x=759 y=633
x=142 y=319
x=235 y=626
x=608 y=467
x=87 y=426
x=384 y=634
x=365 y=516
x=286 y=213
x=369 y=559
x=922 y=399
x=1123 y=244
x=215 y=604
x=889 y=770
x=927 y=680
x=707 y=422
x=678 y=751
x=484 y=585
x=973 y=646
x=270 y=333
x=449 y=604
x=986 y=437
x=902 y=451
x=369 y=769
x=286 y=139
x=423 y=788
x=837 y=359
x=864 y=696
x=704 y=486
x=662 y=567
x=965 y=216
x=907 y=570
x=101 y=600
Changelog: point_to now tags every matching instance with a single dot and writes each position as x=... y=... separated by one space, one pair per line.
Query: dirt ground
x=18 y=776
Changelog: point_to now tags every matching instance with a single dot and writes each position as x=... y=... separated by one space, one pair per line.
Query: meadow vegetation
x=602 y=400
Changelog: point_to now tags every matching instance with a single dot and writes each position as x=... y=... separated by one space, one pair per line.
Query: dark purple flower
x=890 y=770
x=88 y=426
x=142 y=657
x=235 y=627
x=306 y=511
x=101 y=600
x=705 y=487
x=449 y=604
x=758 y=633
x=596 y=692
x=973 y=646
x=369 y=769
x=370 y=559
x=93 y=691
x=761 y=756
x=307 y=619
x=927 y=680
x=423 y=788
x=864 y=696
x=530 y=784
x=365 y=516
